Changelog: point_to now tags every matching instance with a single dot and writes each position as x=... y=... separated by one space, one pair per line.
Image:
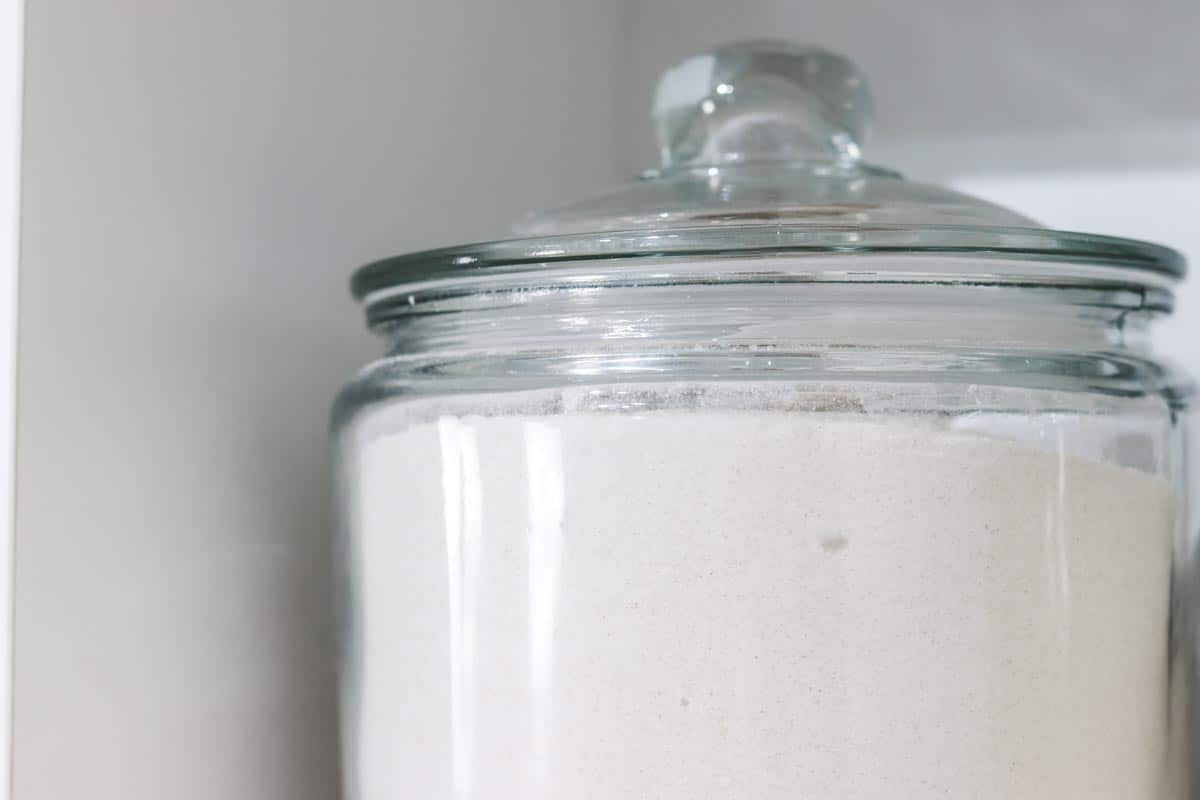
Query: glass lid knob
x=762 y=101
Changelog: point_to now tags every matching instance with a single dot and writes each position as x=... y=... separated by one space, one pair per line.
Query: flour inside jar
x=768 y=603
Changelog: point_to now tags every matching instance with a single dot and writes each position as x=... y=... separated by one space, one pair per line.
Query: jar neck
x=794 y=317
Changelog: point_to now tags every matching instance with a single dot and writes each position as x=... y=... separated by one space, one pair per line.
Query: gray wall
x=199 y=179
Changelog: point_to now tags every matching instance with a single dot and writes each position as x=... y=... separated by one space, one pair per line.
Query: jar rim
x=1011 y=255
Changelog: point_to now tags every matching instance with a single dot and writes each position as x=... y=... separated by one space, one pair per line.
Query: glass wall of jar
x=786 y=489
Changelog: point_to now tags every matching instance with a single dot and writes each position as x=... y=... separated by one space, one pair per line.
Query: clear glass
x=761 y=147
x=768 y=540
x=770 y=475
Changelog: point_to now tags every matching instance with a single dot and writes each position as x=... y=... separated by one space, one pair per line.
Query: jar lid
x=761 y=148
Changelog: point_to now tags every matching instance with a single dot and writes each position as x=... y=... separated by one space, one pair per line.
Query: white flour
x=705 y=604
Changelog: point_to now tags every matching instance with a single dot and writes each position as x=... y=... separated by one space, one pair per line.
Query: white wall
x=200 y=179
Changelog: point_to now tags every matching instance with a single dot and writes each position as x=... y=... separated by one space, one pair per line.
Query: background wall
x=199 y=180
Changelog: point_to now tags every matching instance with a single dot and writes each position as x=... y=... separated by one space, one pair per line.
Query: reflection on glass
x=463 y=510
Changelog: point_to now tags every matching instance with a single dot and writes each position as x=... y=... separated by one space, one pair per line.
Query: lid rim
x=1041 y=244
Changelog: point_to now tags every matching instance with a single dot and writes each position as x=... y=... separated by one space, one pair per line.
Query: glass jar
x=771 y=475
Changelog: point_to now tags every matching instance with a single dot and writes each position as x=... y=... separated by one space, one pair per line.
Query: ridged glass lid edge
x=1159 y=263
